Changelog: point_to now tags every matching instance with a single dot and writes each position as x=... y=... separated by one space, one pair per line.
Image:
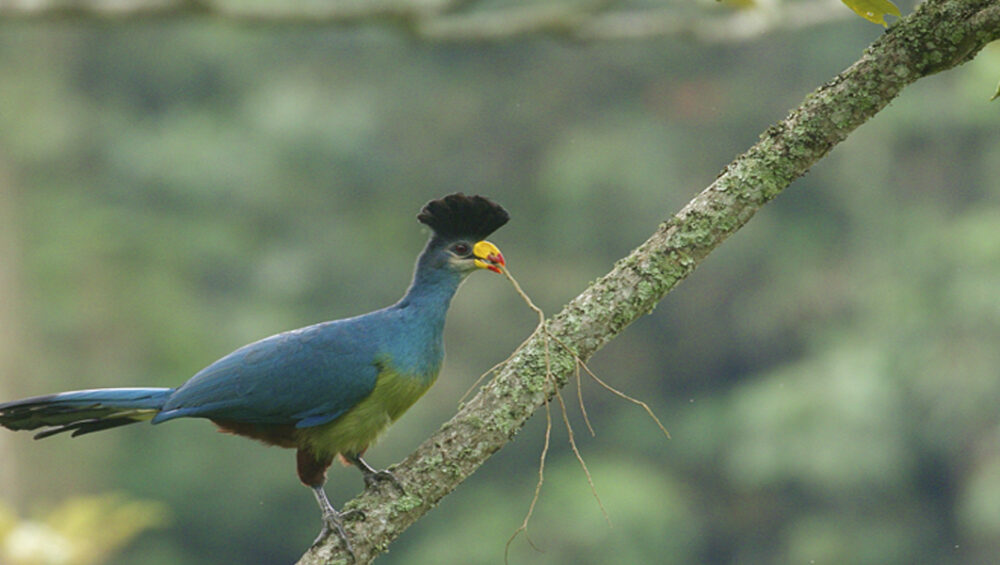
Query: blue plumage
x=327 y=389
x=320 y=370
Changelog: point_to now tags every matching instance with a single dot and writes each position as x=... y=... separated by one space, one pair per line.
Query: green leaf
x=873 y=10
x=996 y=94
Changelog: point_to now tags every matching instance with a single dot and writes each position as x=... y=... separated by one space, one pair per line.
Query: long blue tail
x=83 y=411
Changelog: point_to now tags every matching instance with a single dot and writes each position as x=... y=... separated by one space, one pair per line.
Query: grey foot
x=333 y=521
x=333 y=524
x=374 y=478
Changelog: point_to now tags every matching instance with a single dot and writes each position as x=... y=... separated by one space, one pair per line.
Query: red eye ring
x=461 y=248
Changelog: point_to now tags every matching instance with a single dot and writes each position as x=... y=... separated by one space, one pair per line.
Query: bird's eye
x=461 y=249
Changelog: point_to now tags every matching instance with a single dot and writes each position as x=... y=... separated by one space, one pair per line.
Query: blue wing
x=304 y=377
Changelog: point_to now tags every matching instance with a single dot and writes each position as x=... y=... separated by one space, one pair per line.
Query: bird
x=327 y=390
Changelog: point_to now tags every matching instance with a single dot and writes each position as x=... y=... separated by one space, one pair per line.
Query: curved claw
x=331 y=525
x=333 y=522
x=372 y=479
x=353 y=514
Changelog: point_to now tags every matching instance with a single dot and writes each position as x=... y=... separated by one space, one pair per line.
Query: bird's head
x=461 y=224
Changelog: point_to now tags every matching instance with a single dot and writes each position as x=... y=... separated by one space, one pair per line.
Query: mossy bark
x=938 y=36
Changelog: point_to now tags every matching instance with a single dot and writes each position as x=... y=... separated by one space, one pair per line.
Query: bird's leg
x=333 y=520
x=373 y=476
x=312 y=473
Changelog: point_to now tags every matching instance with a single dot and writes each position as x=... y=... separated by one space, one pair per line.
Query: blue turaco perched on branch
x=326 y=390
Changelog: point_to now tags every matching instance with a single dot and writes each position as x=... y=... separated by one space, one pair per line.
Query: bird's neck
x=415 y=342
x=431 y=290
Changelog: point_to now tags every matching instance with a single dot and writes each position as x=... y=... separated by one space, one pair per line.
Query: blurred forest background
x=172 y=190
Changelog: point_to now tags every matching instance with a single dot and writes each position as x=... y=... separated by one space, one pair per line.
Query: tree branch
x=939 y=35
x=572 y=22
x=445 y=20
x=233 y=11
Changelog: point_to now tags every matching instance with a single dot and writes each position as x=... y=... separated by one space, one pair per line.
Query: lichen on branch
x=939 y=35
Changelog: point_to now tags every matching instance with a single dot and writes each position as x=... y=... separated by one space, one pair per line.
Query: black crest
x=458 y=216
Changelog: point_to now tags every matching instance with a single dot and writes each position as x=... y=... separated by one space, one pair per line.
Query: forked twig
x=539 y=328
x=579 y=363
x=538 y=489
x=579 y=396
x=622 y=395
x=586 y=471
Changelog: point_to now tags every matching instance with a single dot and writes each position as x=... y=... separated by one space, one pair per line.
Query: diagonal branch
x=939 y=35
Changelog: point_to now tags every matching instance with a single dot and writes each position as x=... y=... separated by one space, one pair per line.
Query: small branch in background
x=456 y=20
x=732 y=26
x=234 y=11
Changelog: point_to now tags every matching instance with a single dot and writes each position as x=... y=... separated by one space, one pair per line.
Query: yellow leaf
x=873 y=10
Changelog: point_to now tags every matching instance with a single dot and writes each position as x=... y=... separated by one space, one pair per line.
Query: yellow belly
x=361 y=426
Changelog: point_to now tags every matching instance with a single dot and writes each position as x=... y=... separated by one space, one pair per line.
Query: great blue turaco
x=325 y=390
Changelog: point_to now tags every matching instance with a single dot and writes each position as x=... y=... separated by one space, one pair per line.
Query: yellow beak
x=488 y=256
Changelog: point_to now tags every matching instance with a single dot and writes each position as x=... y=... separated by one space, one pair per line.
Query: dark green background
x=171 y=191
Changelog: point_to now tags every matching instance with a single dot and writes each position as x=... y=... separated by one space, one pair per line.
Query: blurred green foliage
x=829 y=376
x=83 y=530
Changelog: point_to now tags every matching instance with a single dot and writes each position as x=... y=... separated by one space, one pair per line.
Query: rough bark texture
x=938 y=36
